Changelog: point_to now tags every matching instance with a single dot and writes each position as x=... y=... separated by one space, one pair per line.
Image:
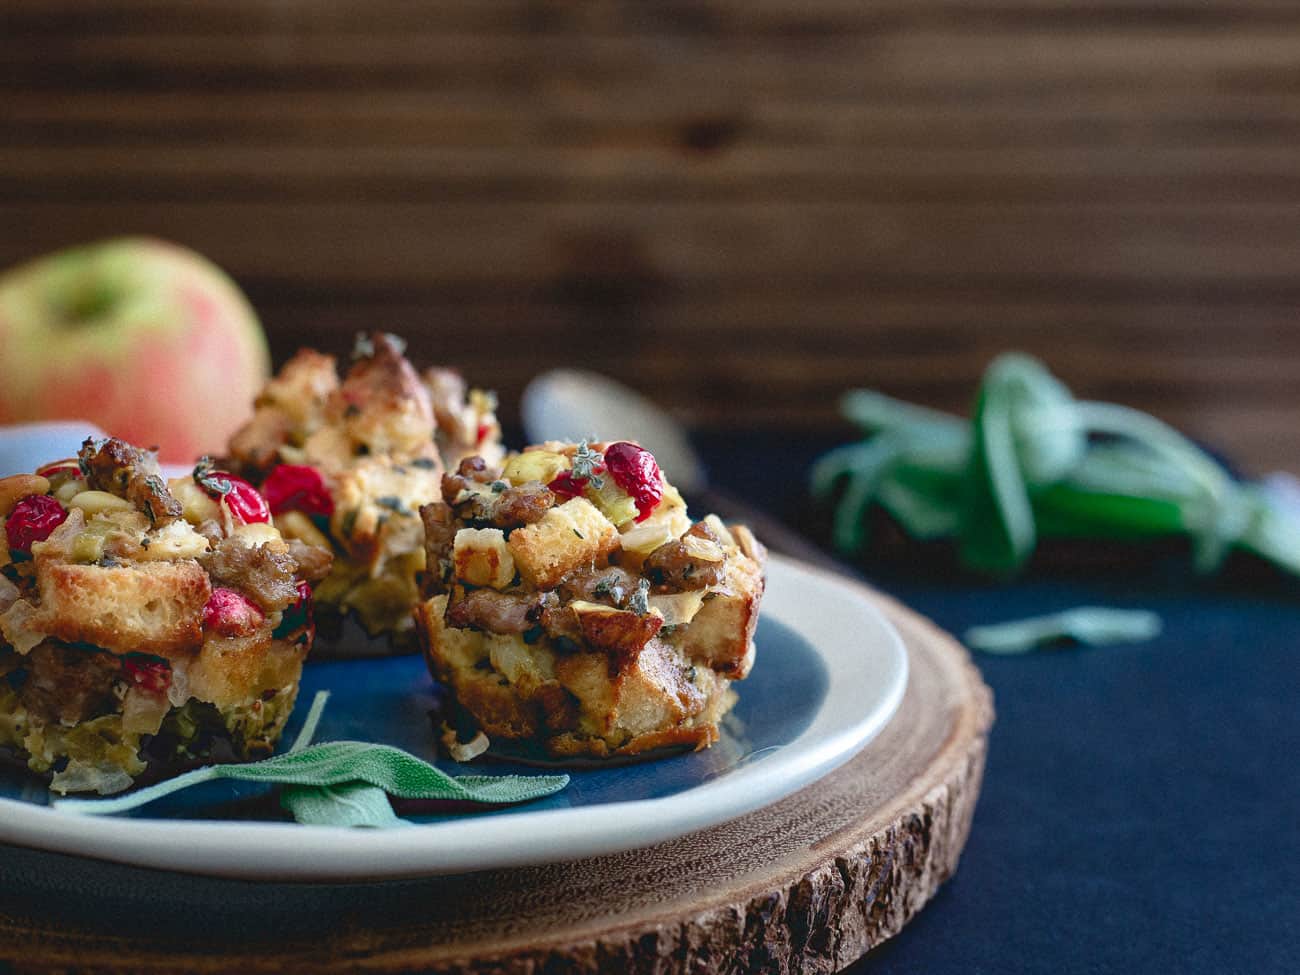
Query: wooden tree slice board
x=809 y=884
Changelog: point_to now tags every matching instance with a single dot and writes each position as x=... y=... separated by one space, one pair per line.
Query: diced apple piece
x=256 y=533
x=614 y=503
x=662 y=527
x=679 y=607
x=174 y=541
x=482 y=558
x=535 y=465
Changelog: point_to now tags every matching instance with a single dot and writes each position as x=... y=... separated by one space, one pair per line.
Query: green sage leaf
x=340 y=783
x=1090 y=625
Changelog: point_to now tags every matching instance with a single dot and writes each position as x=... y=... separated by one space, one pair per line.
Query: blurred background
x=740 y=207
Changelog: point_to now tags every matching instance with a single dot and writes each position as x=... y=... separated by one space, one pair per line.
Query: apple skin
x=144 y=338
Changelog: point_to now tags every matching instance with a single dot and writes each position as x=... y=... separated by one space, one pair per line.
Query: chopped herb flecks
x=205 y=478
x=640 y=601
x=363 y=347
x=393 y=503
x=587 y=465
x=349 y=522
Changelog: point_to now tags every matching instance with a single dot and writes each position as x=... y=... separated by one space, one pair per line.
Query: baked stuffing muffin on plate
x=572 y=603
x=145 y=625
x=346 y=463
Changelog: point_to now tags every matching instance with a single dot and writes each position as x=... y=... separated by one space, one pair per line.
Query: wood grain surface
x=809 y=884
x=740 y=207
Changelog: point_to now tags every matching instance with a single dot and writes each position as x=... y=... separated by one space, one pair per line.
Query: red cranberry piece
x=297 y=487
x=231 y=614
x=568 y=486
x=148 y=674
x=60 y=468
x=32 y=520
x=244 y=503
x=635 y=470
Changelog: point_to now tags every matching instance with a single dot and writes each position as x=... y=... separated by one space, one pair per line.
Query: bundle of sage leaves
x=1032 y=462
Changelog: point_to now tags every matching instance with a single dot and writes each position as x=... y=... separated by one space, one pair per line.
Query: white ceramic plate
x=829 y=674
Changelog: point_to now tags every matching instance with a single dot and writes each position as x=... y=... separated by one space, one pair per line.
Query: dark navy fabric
x=1141 y=804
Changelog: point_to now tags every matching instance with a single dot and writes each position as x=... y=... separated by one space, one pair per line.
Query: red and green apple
x=146 y=339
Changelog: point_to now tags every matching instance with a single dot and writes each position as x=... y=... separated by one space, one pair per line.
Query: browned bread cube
x=569 y=536
x=123 y=607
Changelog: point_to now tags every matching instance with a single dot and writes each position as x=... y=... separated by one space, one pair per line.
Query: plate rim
x=297 y=853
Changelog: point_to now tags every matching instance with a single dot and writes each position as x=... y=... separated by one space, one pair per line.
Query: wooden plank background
x=742 y=207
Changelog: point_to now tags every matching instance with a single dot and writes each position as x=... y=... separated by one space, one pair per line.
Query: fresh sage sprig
x=1094 y=626
x=1033 y=462
x=340 y=783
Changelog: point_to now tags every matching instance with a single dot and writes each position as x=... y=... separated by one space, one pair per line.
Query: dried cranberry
x=60 y=468
x=231 y=614
x=244 y=502
x=634 y=469
x=299 y=615
x=568 y=486
x=147 y=673
x=241 y=498
x=32 y=520
x=484 y=429
x=296 y=487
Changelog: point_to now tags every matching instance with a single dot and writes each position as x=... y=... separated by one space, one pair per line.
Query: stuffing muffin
x=145 y=625
x=571 y=601
x=347 y=463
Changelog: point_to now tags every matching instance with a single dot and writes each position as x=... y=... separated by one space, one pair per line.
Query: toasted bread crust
x=154 y=608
